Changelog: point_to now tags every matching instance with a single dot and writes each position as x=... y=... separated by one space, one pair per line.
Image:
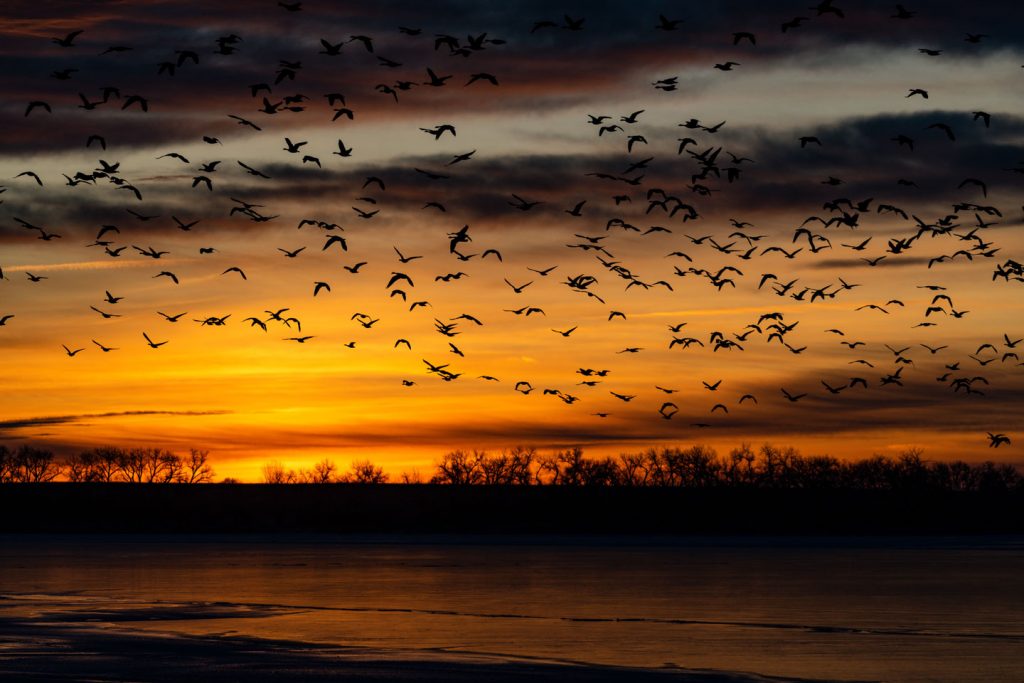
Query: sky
x=682 y=142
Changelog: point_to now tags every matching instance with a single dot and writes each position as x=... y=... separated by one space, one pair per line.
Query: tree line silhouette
x=769 y=467
x=28 y=464
x=325 y=472
x=701 y=467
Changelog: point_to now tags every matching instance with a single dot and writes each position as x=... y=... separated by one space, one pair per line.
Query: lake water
x=920 y=609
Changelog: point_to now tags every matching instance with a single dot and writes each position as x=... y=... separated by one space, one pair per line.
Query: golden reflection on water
x=938 y=611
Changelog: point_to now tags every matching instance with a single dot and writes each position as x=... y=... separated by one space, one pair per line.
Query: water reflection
x=891 y=610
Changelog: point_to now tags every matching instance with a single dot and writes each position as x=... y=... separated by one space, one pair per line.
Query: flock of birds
x=964 y=228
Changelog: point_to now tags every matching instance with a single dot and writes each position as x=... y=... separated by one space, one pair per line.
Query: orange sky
x=250 y=396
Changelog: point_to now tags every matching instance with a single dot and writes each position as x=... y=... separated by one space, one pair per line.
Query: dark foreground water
x=919 y=609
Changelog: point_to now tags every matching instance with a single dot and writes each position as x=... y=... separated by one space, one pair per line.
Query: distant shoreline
x=500 y=510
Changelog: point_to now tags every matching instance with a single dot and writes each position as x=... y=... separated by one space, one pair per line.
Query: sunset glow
x=251 y=396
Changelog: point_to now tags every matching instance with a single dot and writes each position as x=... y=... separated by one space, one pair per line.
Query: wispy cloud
x=39 y=421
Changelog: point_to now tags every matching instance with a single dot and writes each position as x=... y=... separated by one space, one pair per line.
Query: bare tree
x=659 y=472
x=274 y=473
x=28 y=465
x=633 y=469
x=365 y=472
x=459 y=467
x=7 y=466
x=413 y=477
x=132 y=466
x=570 y=468
x=738 y=469
x=78 y=467
x=323 y=472
x=107 y=463
x=549 y=471
x=149 y=466
x=195 y=469
x=511 y=467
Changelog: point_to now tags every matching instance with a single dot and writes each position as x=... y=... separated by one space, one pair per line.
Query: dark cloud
x=551 y=67
x=860 y=152
x=28 y=422
x=930 y=406
x=888 y=262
